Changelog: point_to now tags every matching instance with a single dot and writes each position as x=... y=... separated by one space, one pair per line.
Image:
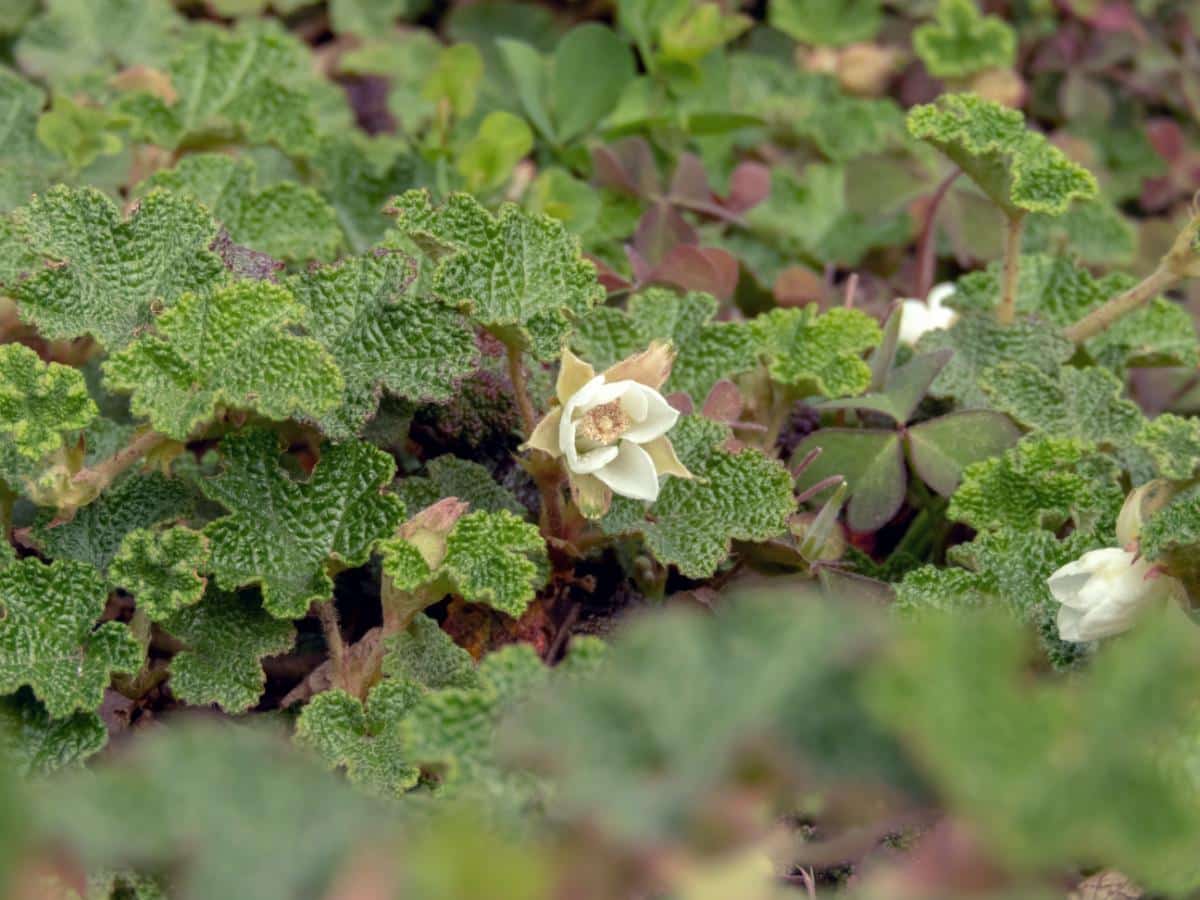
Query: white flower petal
x=1068 y=622
x=659 y=418
x=915 y=320
x=634 y=402
x=605 y=393
x=939 y=295
x=593 y=460
x=631 y=474
x=583 y=397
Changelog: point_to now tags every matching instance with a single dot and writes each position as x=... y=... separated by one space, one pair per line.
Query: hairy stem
x=1006 y=313
x=1121 y=305
x=547 y=482
x=327 y=613
x=927 y=243
x=104 y=473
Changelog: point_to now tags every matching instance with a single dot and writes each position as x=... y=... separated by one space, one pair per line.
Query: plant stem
x=927 y=243
x=1121 y=305
x=104 y=473
x=327 y=613
x=516 y=374
x=1006 y=313
x=547 y=483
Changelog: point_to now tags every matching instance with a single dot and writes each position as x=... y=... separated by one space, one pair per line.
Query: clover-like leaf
x=1018 y=169
x=38 y=745
x=739 y=495
x=284 y=220
x=827 y=22
x=1042 y=482
x=706 y=351
x=49 y=639
x=871 y=460
x=39 y=404
x=1173 y=443
x=818 y=353
x=161 y=569
x=383 y=335
x=519 y=275
x=962 y=41
x=105 y=275
x=282 y=533
x=231 y=348
x=1087 y=404
x=224 y=638
x=452 y=476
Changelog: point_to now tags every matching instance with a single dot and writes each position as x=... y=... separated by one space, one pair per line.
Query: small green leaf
x=26 y=165
x=369 y=17
x=962 y=41
x=455 y=78
x=818 y=353
x=38 y=745
x=940 y=449
x=1173 y=442
x=428 y=656
x=224 y=637
x=232 y=348
x=826 y=22
x=488 y=159
x=80 y=134
x=49 y=639
x=578 y=98
x=357 y=176
x=161 y=569
x=872 y=463
x=452 y=476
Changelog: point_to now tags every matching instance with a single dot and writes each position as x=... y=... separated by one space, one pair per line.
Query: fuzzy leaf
x=49 y=639
x=161 y=569
x=517 y=274
x=1173 y=442
x=26 y=164
x=451 y=476
x=962 y=41
x=231 y=348
x=79 y=133
x=357 y=176
x=106 y=275
x=427 y=655
x=1018 y=169
x=826 y=22
x=734 y=496
x=1175 y=526
x=38 y=745
x=1040 y=483
x=818 y=353
x=284 y=220
x=225 y=637
x=282 y=533
x=383 y=336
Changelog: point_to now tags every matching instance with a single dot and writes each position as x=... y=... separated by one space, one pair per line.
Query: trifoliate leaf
x=870 y=460
x=1040 y=483
x=1173 y=442
x=818 y=353
x=49 y=639
x=250 y=80
x=283 y=220
x=734 y=496
x=1175 y=526
x=106 y=276
x=282 y=533
x=707 y=351
x=452 y=476
x=38 y=745
x=383 y=336
x=1018 y=169
x=979 y=343
x=516 y=274
x=1087 y=404
x=94 y=535
x=39 y=403
x=826 y=22
x=224 y=639
x=232 y=348
x=357 y=176
x=963 y=41
x=161 y=569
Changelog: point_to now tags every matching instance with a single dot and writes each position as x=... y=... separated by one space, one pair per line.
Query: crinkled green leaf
x=963 y=41
x=1175 y=526
x=1173 y=442
x=707 y=351
x=38 y=745
x=1161 y=333
x=739 y=495
x=980 y=343
x=825 y=22
x=516 y=274
x=383 y=335
x=106 y=276
x=79 y=133
x=94 y=535
x=232 y=348
x=1041 y=483
x=162 y=569
x=357 y=176
x=1018 y=169
x=26 y=164
x=1087 y=404
x=428 y=656
x=1094 y=231
x=282 y=533
x=369 y=17
x=224 y=638
x=452 y=476
x=818 y=353
x=284 y=220
x=49 y=639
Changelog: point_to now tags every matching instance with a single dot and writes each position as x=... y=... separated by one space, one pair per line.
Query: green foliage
x=451 y=476
x=49 y=639
x=518 y=275
x=357 y=176
x=162 y=569
x=739 y=495
x=822 y=22
x=232 y=348
x=284 y=219
x=818 y=353
x=107 y=276
x=38 y=745
x=79 y=133
x=1175 y=526
x=1173 y=443
x=27 y=163
x=283 y=533
x=487 y=160
x=962 y=41
x=383 y=335
x=1018 y=169
x=224 y=638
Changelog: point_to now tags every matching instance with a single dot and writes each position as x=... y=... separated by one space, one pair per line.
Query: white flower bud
x=1103 y=592
x=918 y=317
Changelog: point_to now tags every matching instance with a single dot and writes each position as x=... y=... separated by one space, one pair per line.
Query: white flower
x=610 y=429
x=1103 y=592
x=918 y=317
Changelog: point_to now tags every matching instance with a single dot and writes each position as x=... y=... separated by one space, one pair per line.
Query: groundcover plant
x=631 y=449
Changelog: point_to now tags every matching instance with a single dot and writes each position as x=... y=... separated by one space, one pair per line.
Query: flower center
x=605 y=423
